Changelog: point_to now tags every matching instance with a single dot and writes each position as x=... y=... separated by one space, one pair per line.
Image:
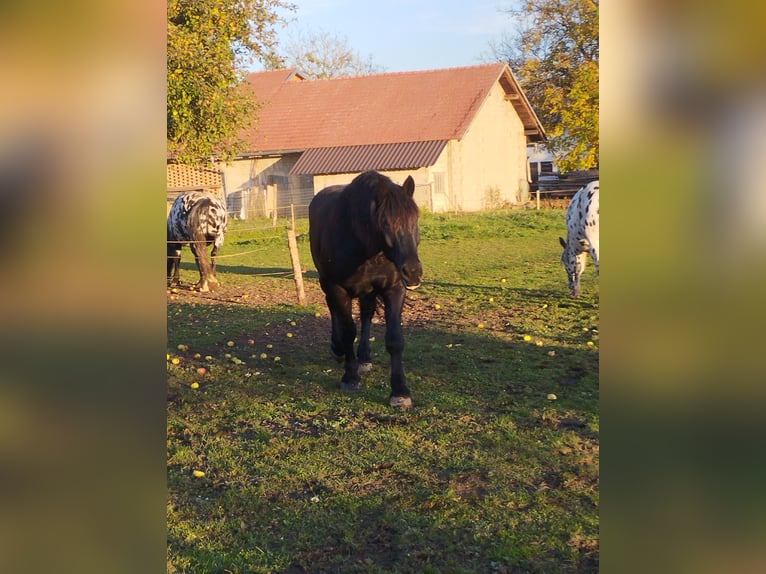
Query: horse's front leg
x=207 y=279
x=213 y=278
x=202 y=283
x=582 y=259
x=400 y=392
x=343 y=335
x=367 y=304
x=594 y=253
x=174 y=263
x=213 y=261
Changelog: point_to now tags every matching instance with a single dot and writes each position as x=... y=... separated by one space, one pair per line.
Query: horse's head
x=574 y=264
x=397 y=218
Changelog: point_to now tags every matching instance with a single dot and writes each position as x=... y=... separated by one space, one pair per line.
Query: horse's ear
x=563 y=243
x=409 y=186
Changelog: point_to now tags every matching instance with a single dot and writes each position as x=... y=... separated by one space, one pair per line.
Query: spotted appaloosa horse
x=364 y=242
x=199 y=219
x=582 y=235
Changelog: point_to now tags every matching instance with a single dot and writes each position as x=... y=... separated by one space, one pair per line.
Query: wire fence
x=266 y=231
x=294 y=218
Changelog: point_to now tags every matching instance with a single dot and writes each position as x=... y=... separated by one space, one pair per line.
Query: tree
x=209 y=44
x=555 y=57
x=321 y=55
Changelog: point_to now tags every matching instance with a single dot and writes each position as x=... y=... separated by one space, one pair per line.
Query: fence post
x=538 y=199
x=275 y=204
x=297 y=273
x=292 y=216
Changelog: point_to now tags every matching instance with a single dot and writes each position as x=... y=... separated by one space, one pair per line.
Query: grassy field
x=271 y=468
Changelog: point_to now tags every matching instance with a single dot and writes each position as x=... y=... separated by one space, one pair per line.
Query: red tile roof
x=428 y=106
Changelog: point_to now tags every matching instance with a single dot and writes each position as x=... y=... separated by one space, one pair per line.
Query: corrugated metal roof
x=345 y=159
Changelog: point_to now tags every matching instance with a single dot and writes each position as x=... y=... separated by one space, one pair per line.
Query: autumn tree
x=209 y=45
x=318 y=55
x=555 y=57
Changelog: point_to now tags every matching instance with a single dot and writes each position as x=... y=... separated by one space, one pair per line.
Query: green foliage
x=555 y=57
x=209 y=43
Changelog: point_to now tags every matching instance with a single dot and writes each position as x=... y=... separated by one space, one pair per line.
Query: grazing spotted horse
x=199 y=219
x=582 y=235
x=364 y=242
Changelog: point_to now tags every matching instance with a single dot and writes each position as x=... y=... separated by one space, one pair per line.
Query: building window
x=440 y=183
x=546 y=167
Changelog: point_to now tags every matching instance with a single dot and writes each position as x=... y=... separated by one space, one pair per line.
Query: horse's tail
x=198 y=217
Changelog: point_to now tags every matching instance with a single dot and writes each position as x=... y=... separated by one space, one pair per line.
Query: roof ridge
x=497 y=64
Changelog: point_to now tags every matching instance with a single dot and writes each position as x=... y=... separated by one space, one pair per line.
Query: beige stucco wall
x=256 y=186
x=488 y=166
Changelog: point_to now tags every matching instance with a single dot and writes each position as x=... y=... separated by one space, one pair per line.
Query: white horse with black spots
x=582 y=235
x=199 y=219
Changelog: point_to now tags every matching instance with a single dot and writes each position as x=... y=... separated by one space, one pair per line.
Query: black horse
x=364 y=242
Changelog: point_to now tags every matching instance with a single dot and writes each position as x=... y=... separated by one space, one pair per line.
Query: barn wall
x=489 y=163
x=256 y=187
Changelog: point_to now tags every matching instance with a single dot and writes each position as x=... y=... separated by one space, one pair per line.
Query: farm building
x=462 y=133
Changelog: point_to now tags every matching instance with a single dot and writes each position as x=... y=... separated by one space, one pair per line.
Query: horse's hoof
x=350 y=386
x=365 y=367
x=400 y=402
x=338 y=358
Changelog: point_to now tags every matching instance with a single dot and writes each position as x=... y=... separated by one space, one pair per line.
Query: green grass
x=484 y=474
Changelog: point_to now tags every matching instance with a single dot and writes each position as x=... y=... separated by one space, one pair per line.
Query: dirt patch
x=418 y=310
x=266 y=291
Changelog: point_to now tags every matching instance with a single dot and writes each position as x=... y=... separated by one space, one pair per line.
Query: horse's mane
x=397 y=209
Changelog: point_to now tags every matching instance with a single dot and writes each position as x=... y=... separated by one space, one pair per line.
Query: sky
x=407 y=35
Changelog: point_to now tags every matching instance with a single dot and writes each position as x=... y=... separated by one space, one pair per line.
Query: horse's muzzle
x=411 y=275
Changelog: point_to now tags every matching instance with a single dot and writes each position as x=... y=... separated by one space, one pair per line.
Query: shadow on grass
x=485 y=474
